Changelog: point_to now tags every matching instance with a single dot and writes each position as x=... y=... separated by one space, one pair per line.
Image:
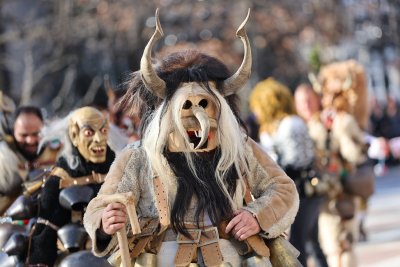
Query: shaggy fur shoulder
x=9 y=178
x=276 y=199
x=275 y=206
x=115 y=179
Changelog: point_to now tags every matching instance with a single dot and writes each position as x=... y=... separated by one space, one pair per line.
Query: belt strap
x=187 y=247
x=209 y=247
x=258 y=245
x=40 y=220
x=206 y=240
x=67 y=181
x=146 y=235
x=162 y=203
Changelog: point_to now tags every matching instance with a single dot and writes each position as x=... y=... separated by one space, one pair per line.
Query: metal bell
x=76 y=197
x=72 y=236
x=83 y=258
x=225 y=264
x=283 y=254
x=8 y=229
x=256 y=261
x=22 y=208
x=146 y=260
x=17 y=245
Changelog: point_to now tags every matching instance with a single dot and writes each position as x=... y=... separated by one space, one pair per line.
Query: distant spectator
x=393 y=118
x=285 y=136
x=307 y=101
x=20 y=157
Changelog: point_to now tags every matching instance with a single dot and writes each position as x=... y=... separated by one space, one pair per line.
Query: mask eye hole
x=104 y=130
x=88 y=132
x=187 y=104
x=203 y=103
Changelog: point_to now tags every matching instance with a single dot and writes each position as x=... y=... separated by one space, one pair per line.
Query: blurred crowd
x=385 y=124
x=333 y=145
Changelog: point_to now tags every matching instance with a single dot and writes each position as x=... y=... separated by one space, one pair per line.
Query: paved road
x=383 y=224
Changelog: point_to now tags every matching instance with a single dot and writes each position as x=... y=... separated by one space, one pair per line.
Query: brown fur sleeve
x=276 y=198
x=92 y=218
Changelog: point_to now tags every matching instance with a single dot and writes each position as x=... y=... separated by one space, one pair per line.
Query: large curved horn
x=239 y=79
x=149 y=76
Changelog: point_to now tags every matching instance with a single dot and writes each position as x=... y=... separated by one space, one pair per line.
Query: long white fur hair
x=230 y=135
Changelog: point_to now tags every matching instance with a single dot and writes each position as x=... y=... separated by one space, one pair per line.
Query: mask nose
x=97 y=137
x=195 y=101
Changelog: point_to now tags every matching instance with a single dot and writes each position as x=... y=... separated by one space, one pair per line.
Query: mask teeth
x=191 y=145
x=198 y=133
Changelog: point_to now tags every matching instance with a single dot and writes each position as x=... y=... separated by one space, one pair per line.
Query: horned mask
x=194 y=114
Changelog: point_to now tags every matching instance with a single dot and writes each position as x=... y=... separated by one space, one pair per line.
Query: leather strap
x=140 y=246
x=67 y=181
x=187 y=247
x=146 y=235
x=156 y=242
x=209 y=247
x=258 y=245
x=162 y=203
x=47 y=223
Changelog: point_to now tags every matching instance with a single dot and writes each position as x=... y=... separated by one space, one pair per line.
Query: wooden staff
x=127 y=200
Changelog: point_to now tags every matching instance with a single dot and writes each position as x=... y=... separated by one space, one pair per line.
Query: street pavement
x=382 y=248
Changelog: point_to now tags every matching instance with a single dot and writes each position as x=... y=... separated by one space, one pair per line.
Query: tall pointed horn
x=239 y=79
x=149 y=76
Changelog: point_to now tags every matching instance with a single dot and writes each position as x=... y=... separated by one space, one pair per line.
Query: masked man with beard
x=84 y=161
x=189 y=187
x=20 y=158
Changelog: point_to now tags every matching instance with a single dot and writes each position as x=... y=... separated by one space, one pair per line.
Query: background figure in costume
x=285 y=135
x=84 y=161
x=189 y=176
x=308 y=105
x=20 y=157
x=339 y=137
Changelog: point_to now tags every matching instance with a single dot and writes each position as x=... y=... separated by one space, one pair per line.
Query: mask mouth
x=98 y=150
x=195 y=138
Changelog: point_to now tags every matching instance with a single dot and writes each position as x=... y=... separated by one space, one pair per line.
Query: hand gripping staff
x=127 y=200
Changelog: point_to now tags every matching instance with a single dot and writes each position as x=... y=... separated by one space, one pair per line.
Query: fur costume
x=194 y=144
x=343 y=85
x=73 y=165
x=338 y=134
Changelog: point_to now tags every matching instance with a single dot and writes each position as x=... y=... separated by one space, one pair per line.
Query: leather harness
x=155 y=231
x=67 y=181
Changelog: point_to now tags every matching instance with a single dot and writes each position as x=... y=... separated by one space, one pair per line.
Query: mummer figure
x=196 y=190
